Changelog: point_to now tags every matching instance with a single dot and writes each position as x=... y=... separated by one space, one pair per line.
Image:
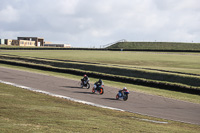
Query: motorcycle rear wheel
x=93 y=90
x=117 y=96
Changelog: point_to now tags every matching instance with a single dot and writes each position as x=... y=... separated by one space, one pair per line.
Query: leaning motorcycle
x=85 y=84
x=99 y=89
x=123 y=95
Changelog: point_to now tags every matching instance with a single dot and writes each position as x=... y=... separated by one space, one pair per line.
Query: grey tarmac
x=140 y=103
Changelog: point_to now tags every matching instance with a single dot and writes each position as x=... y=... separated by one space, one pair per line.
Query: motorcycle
x=123 y=95
x=85 y=84
x=99 y=89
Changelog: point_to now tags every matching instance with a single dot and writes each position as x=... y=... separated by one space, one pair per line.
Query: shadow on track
x=110 y=98
x=82 y=92
x=72 y=87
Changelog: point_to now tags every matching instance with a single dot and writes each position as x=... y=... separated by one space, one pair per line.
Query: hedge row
x=143 y=82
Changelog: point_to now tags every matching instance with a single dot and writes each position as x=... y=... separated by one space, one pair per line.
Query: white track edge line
x=60 y=96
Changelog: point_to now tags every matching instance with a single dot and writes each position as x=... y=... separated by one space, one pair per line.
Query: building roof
x=31 y=37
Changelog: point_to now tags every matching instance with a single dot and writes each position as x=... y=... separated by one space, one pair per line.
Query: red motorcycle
x=98 y=89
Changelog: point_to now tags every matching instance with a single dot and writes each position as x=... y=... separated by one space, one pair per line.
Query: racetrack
x=137 y=103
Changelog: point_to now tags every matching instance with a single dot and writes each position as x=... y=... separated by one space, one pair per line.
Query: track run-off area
x=139 y=103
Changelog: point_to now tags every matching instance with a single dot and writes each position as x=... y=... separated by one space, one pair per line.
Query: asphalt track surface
x=137 y=103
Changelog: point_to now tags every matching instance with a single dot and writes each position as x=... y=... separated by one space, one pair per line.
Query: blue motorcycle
x=122 y=95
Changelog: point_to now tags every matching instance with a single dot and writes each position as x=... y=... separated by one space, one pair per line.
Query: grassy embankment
x=182 y=62
x=26 y=111
x=156 y=46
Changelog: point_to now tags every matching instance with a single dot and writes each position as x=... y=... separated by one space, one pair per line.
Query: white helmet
x=125 y=89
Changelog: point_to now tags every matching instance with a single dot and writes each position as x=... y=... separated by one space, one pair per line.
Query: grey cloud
x=89 y=22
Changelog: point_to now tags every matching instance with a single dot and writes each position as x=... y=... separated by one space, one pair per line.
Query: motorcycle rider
x=99 y=83
x=121 y=92
x=85 y=79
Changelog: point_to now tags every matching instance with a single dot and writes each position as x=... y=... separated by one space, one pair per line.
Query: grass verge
x=26 y=111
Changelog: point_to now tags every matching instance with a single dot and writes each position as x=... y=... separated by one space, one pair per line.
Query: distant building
x=31 y=41
x=38 y=40
x=23 y=43
x=58 y=45
x=47 y=42
x=8 y=41
x=2 y=41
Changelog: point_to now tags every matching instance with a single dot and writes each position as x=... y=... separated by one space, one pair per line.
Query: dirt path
x=137 y=102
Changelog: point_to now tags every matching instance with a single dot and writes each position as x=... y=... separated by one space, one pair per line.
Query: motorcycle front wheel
x=125 y=97
x=101 y=91
x=88 y=85
x=81 y=84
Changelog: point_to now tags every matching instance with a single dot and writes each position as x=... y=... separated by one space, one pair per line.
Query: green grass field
x=25 y=111
x=180 y=62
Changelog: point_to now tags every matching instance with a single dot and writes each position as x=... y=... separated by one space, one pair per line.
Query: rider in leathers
x=122 y=91
x=85 y=79
x=99 y=83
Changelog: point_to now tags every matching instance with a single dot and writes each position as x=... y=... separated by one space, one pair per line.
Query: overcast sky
x=91 y=23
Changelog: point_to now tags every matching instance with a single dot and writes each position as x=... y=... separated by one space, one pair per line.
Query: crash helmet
x=124 y=89
x=100 y=81
x=85 y=75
